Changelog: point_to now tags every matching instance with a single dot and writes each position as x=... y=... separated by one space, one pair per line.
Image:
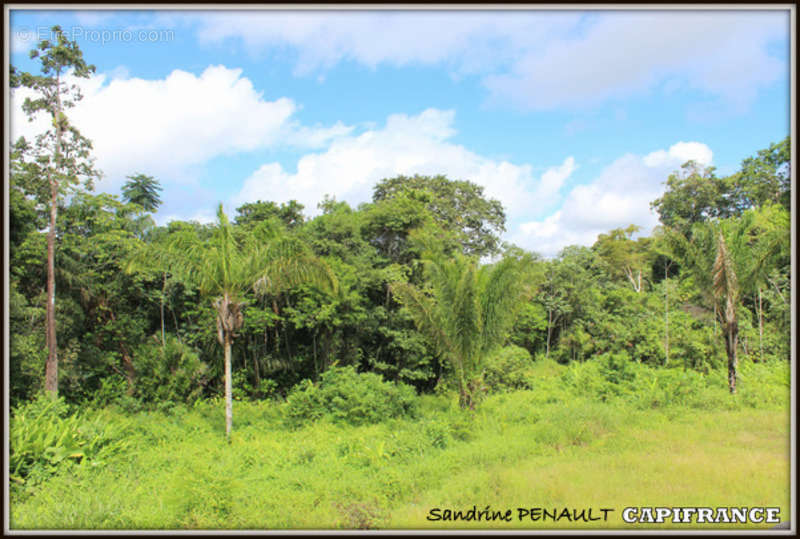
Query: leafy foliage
x=459 y=206
x=466 y=312
x=143 y=190
x=508 y=370
x=150 y=337
x=344 y=395
x=45 y=436
x=345 y=315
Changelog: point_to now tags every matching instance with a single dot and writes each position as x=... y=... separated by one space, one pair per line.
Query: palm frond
x=467 y=308
x=423 y=311
x=503 y=289
x=286 y=263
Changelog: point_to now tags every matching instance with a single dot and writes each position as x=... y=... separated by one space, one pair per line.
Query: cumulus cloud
x=720 y=53
x=680 y=152
x=536 y=59
x=167 y=127
x=406 y=145
x=618 y=197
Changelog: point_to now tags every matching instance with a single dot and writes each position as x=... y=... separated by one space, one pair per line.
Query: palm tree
x=224 y=267
x=465 y=311
x=726 y=258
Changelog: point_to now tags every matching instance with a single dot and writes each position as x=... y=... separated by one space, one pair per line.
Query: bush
x=347 y=396
x=764 y=384
x=508 y=370
x=613 y=376
x=243 y=389
x=173 y=372
x=44 y=437
x=658 y=388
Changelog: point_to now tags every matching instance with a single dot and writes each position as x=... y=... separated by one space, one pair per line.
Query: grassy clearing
x=555 y=446
x=711 y=459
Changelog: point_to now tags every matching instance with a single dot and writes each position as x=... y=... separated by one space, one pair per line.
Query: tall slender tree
x=725 y=258
x=59 y=158
x=224 y=267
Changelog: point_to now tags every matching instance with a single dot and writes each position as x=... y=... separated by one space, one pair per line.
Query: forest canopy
x=415 y=286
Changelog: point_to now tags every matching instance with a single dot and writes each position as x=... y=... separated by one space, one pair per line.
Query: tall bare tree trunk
x=549 y=331
x=228 y=387
x=760 y=327
x=130 y=371
x=731 y=338
x=666 y=320
x=277 y=336
x=464 y=395
x=258 y=374
x=51 y=367
x=316 y=364
x=163 y=292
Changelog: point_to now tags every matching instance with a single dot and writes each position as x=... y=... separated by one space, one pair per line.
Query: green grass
x=554 y=446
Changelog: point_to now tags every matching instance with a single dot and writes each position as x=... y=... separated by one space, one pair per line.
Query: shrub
x=588 y=380
x=173 y=372
x=508 y=369
x=243 y=389
x=347 y=396
x=617 y=367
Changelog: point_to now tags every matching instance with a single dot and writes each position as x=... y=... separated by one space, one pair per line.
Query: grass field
x=556 y=446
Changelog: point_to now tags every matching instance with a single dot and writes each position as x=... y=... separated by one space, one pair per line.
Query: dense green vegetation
x=378 y=356
x=579 y=427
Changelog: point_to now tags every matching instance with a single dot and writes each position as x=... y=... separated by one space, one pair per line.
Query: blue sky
x=572 y=119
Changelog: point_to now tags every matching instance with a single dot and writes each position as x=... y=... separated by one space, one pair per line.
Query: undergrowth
x=288 y=466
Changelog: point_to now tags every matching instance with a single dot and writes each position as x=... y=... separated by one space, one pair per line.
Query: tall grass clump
x=346 y=396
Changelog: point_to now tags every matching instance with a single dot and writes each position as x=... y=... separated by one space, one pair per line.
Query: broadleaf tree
x=59 y=160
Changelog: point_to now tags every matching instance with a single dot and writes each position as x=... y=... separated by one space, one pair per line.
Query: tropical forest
x=390 y=365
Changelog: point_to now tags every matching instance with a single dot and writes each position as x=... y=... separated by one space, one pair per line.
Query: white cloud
x=681 y=151
x=406 y=145
x=203 y=217
x=169 y=127
x=536 y=59
x=317 y=136
x=472 y=40
x=93 y=17
x=554 y=178
x=619 y=196
x=721 y=53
